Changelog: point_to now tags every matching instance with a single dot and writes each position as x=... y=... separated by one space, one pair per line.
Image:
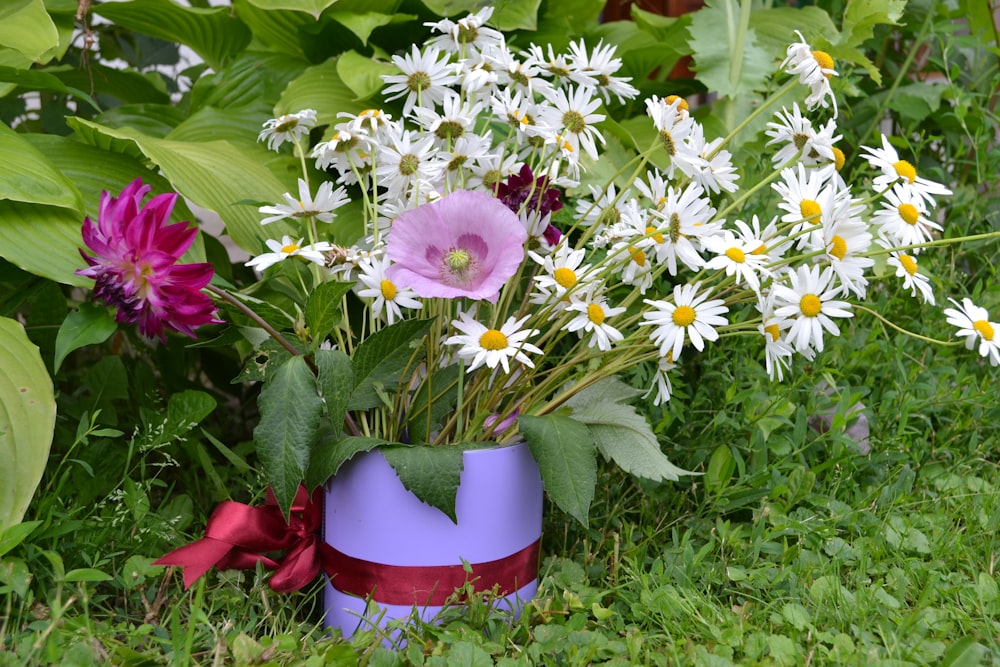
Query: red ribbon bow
x=238 y=535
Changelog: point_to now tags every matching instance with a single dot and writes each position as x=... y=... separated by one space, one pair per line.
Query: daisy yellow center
x=670 y=99
x=388 y=290
x=736 y=255
x=909 y=264
x=762 y=250
x=466 y=34
x=824 y=60
x=838 y=158
x=408 y=164
x=984 y=328
x=909 y=213
x=565 y=277
x=810 y=209
x=290 y=248
x=683 y=316
x=905 y=170
x=458 y=260
x=492 y=339
x=574 y=122
x=287 y=124
x=772 y=331
x=595 y=314
x=838 y=246
x=655 y=235
x=638 y=256
x=810 y=305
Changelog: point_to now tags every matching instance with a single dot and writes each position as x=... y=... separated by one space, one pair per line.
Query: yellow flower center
x=683 y=316
x=388 y=290
x=909 y=213
x=760 y=251
x=493 y=339
x=984 y=328
x=290 y=248
x=838 y=246
x=653 y=234
x=670 y=99
x=905 y=170
x=772 y=331
x=810 y=210
x=838 y=158
x=595 y=314
x=736 y=255
x=908 y=263
x=565 y=277
x=638 y=256
x=824 y=60
x=810 y=305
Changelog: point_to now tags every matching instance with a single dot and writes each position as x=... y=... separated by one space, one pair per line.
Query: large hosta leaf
x=214 y=34
x=27 y=175
x=42 y=240
x=320 y=88
x=27 y=420
x=27 y=28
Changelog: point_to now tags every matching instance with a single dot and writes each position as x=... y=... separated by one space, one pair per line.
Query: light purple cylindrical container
x=369 y=515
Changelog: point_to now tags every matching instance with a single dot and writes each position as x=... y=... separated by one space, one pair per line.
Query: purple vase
x=399 y=554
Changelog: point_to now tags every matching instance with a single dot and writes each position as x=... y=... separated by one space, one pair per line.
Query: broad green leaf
x=43 y=240
x=88 y=325
x=720 y=469
x=85 y=574
x=40 y=80
x=213 y=174
x=362 y=75
x=727 y=58
x=253 y=79
x=153 y=120
x=279 y=30
x=775 y=27
x=567 y=461
x=128 y=86
x=336 y=381
x=361 y=23
x=214 y=34
x=620 y=432
x=381 y=359
x=432 y=474
x=27 y=175
x=290 y=412
x=320 y=88
x=16 y=534
x=917 y=101
x=328 y=456
x=324 y=309
x=964 y=652
x=436 y=397
x=185 y=410
x=27 y=421
x=237 y=125
x=313 y=7
x=509 y=15
x=27 y=28
x=860 y=19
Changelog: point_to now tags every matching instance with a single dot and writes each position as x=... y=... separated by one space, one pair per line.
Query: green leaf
x=314 y=7
x=727 y=58
x=321 y=88
x=507 y=16
x=775 y=27
x=324 y=309
x=917 y=101
x=329 y=455
x=21 y=227
x=27 y=28
x=965 y=652
x=16 y=534
x=214 y=34
x=381 y=359
x=237 y=125
x=26 y=175
x=720 y=469
x=129 y=86
x=564 y=450
x=436 y=397
x=88 y=325
x=336 y=381
x=85 y=574
x=40 y=80
x=290 y=412
x=251 y=79
x=362 y=24
x=432 y=474
x=620 y=432
x=361 y=74
x=27 y=421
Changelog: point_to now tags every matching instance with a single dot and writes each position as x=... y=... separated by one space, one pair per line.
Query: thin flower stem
x=249 y=312
x=931 y=244
x=926 y=339
x=771 y=99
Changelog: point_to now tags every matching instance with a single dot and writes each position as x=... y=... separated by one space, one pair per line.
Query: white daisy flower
x=516 y=108
x=322 y=208
x=844 y=237
x=592 y=311
x=809 y=304
x=906 y=268
x=521 y=76
x=288 y=127
x=634 y=265
x=454 y=119
x=387 y=295
x=596 y=70
x=807 y=196
x=793 y=132
x=425 y=79
x=557 y=65
x=370 y=122
x=573 y=114
x=973 y=323
x=285 y=248
x=685 y=215
x=707 y=164
x=814 y=69
x=466 y=35
x=736 y=256
x=345 y=152
x=406 y=160
x=691 y=316
x=661 y=381
x=903 y=220
x=492 y=347
x=894 y=170
x=777 y=351
x=563 y=271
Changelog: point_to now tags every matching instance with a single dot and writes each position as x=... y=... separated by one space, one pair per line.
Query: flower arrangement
x=494 y=292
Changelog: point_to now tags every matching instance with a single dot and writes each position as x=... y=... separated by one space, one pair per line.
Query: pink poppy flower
x=135 y=267
x=465 y=244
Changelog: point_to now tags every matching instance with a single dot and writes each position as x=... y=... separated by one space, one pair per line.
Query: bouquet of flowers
x=458 y=277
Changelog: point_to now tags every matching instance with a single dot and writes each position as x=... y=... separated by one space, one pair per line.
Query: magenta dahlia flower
x=465 y=244
x=136 y=269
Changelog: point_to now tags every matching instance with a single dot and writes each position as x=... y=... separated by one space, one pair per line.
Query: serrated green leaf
x=432 y=474
x=336 y=381
x=382 y=358
x=324 y=309
x=27 y=420
x=88 y=325
x=362 y=75
x=215 y=34
x=27 y=28
x=726 y=55
x=290 y=412
x=775 y=27
x=564 y=450
x=436 y=397
x=321 y=88
x=329 y=455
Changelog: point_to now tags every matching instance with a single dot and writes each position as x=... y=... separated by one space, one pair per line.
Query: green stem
x=926 y=339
